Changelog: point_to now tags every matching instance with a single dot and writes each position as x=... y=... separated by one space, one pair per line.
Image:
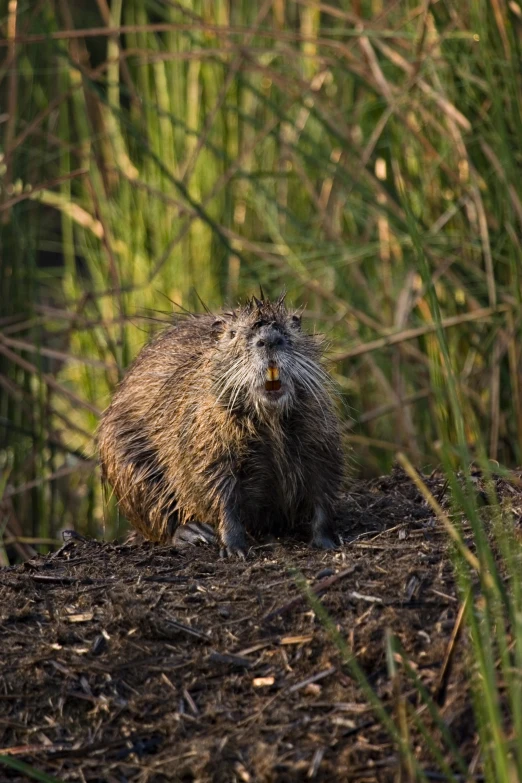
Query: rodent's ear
x=218 y=327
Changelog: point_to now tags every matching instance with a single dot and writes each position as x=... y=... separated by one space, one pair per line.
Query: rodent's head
x=264 y=361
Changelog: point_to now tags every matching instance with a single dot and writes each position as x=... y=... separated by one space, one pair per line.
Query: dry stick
x=324 y=584
x=424 y=31
x=444 y=519
x=48 y=379
x=5 y=67
x=386 y=445
x=375 y=69
x=82 y=320
x=439 y=693
x=12 y=95
x=410 y=334
x=148 y=56
x=29 y=194
x=513 y=357
x=49 y=109
x=312 y=679
x=165 y=27
x=498 y=11
x=484 y=239
x=513 y=195
x=186 y=629
x=22 y=345
x=443 y=103
x=18 y=395
x=495 y=400
x=66 y=471
x=13 y=528
x=10 y=320
x=68 y=580
x=30 y=540
x=351 y=17
x=382 y=410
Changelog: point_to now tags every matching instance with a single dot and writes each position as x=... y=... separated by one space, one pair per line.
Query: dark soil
x=148 y=664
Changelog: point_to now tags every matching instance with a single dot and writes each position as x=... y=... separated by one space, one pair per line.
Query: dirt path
x=143 y=663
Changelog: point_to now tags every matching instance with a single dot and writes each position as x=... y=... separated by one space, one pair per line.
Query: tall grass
x=157 y=151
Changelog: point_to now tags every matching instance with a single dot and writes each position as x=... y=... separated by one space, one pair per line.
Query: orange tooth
x=272 y=374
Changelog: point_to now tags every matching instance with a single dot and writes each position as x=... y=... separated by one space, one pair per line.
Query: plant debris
x=149 y=663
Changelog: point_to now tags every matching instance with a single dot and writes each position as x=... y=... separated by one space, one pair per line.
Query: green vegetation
x=366 y=156
x=29 y=772
x=209 y=148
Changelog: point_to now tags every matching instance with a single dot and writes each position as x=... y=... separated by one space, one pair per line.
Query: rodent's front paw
x=233 y=544
x=227 y=551
x=324 y=541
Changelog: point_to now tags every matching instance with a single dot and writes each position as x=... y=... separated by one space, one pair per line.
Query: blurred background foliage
x=158 y=154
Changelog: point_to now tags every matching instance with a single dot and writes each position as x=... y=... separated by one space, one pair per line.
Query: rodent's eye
x=295 y=322
x=232 y=334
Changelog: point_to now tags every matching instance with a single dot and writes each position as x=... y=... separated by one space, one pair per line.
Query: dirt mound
x=145 y=663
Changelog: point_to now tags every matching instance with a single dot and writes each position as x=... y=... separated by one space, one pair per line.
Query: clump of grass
x=30 y=772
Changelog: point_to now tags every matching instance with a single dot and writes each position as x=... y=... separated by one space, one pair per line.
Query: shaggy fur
x=196 y=433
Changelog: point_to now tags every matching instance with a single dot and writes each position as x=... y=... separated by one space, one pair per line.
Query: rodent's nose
x=274 y=340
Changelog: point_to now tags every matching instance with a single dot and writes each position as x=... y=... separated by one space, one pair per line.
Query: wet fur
x=190 y=436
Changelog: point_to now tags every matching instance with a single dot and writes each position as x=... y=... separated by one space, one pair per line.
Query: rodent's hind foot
x=322 y=540
x=194 y=533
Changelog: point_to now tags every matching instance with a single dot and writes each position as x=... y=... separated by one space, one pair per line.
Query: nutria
x=227 y=420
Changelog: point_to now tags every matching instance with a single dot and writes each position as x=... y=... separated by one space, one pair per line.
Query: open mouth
x=272 y=382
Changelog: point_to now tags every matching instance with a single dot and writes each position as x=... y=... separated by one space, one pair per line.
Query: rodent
x=227 y=420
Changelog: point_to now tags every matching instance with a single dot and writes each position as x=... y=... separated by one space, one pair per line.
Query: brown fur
x=192 y=434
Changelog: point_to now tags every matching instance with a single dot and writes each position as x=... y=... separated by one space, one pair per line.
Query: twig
x=312 y=679
x=324 y=584
x=442 y=683
x=419 y=331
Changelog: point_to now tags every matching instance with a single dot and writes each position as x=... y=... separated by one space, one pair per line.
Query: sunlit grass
x=207 y=150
